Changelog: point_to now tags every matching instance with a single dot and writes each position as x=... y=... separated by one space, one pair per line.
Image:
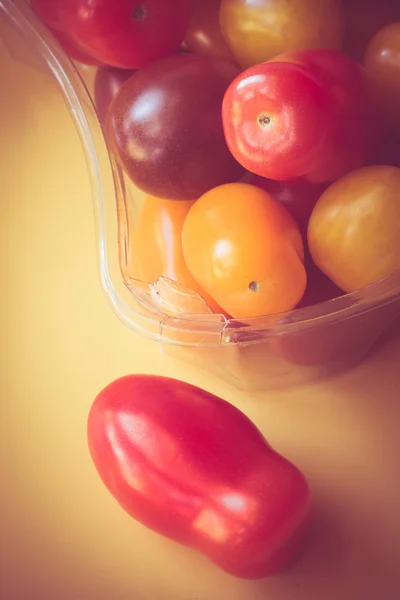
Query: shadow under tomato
x=298 y=197
x=319 y=287
x=348 y=445
x=334 y=565
x=388 y=151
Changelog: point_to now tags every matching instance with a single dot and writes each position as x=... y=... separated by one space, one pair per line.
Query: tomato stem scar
x=254 y=286
x=264 y=120
x=139 y=12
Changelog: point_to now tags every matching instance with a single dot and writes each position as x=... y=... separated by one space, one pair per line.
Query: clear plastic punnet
x=252 y=354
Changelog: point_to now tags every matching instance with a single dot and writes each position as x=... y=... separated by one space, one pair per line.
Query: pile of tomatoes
x=265 y=135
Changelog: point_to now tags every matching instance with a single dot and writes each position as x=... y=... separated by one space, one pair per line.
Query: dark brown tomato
x=363 y=18
x=298 y=197
x=165 y=127
x=204 y=34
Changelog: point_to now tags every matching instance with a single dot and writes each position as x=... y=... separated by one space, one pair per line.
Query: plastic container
x=253 y=354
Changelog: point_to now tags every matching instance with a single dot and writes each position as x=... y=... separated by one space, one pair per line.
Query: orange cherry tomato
x=258 y=31
x=354 y=230
x=245 y=249
x=363 y=18
x=204 y=34
x=382 y=61
x=156 y=248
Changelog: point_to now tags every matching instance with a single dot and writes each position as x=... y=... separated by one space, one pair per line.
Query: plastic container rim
x=216 y=327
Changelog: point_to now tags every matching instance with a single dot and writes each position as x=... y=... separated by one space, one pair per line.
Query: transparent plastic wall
x=253 y=354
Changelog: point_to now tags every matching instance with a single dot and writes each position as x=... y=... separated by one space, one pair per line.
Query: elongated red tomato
x=307 y=115
x=192 y=467
x=121 y=33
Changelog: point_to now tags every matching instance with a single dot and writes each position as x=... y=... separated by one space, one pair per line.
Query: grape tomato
x=192 y=467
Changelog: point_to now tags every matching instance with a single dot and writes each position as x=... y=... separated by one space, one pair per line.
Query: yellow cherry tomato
x=354 y=230
x=258 y=30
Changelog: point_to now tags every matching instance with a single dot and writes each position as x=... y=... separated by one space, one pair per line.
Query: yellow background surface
x=62 y=535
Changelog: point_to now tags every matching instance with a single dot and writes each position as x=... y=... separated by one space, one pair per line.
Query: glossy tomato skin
x=125 y=33
x=204 y=34
x=363 y=19
x=156 y=245
x=192 y=467
x=73 y=51
x=382 y=61
x=309 y=115
x=165 y=127
x=108 y=81
x=258 y=31
x=53 y=14
x=299 y=198
x=354 y=230
x=245 y=249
